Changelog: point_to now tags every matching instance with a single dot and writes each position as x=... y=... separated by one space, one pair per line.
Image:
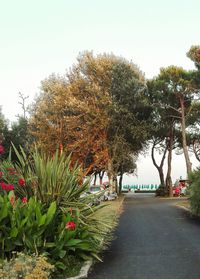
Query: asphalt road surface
x=154 y=240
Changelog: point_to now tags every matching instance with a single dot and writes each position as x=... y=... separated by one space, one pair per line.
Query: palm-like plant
x=53 y=178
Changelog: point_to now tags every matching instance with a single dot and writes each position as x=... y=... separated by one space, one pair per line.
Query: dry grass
x=110 y=214
x=113 y=209
x=184 y=203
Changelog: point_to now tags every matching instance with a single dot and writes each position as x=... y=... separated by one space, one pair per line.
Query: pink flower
x=70 y=226
x=21 y=182
x=1 y=149
x=24 y=200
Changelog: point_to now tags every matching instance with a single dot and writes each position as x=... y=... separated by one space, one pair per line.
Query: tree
x=128 y=165
x=97 y=112
x=18 y=135
x=3 y=124
x=129 y=114
x=22 y=102
x=68 y=115
x=194 y=55
x=163 y=126
x=179 y=91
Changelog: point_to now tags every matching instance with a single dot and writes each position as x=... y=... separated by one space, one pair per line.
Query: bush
x=42 y=209
x=32 y=227
x=161 y=191
x=26 y=267
x=194 y=191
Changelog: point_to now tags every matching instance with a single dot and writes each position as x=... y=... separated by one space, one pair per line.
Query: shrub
x=26 y=267
x=194 y=191
x=34 y=228
x=161 y=191
x=46 y=213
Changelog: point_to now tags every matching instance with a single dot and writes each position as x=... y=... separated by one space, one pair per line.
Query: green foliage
x=194 y=55
x=98 y=111
x=53 y=199
x=130 y=108
x=195 y=191
x=161 y=191
x=50 y=178
x=25 y=267
x=16 y=134
x=35 y=228
x=72 y=264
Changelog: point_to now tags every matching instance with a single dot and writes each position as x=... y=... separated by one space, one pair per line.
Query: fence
x=148 y=187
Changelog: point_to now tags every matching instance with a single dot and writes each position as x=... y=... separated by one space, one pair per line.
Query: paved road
x=154 y=240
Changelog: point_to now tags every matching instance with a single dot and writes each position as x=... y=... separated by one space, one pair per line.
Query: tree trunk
x=159 y=167
x=95 y=178
x=111 y=175
x=184 y=141
x=161 y=176
x=116 y=188
x=168 y=183
x=120 y=182
x=101 y=174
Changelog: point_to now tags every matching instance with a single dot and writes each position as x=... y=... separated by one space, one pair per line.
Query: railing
x=144 y=187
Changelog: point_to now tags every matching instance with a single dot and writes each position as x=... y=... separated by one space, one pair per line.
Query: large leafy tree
x=98 y=112
x=130 y=113
x=194 y=55
x=163 y=130
x=16 y=134
x=179 y=91
x=70 y=115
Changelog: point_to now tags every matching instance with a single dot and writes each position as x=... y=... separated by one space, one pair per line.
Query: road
x=154 y=240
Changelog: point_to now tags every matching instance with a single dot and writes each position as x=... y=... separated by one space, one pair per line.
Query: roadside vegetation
x=42 y=213
x=92 y=121
x=195 y=192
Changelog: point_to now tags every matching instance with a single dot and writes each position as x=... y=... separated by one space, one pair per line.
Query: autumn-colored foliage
x=91 y=112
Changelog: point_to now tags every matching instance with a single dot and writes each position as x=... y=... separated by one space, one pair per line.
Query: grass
x=184 y=203
x=111 y=212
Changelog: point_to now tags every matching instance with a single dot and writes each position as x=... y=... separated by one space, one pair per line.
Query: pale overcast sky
x=39 y=37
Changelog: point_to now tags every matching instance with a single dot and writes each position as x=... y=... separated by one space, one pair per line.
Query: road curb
x=84 y=271
x=183 y=207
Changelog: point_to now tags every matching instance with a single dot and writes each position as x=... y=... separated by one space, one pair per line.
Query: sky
x=41 y=37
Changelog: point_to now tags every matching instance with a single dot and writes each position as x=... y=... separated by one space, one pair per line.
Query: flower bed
x=42 y=211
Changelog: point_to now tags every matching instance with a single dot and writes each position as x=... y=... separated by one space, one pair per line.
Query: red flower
x=1 y=174
x=3 y=186
x=21 y=182
x=10 y=187
x=7 y=187
x=24 y=200
x=70 y=226
x=1 y=149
